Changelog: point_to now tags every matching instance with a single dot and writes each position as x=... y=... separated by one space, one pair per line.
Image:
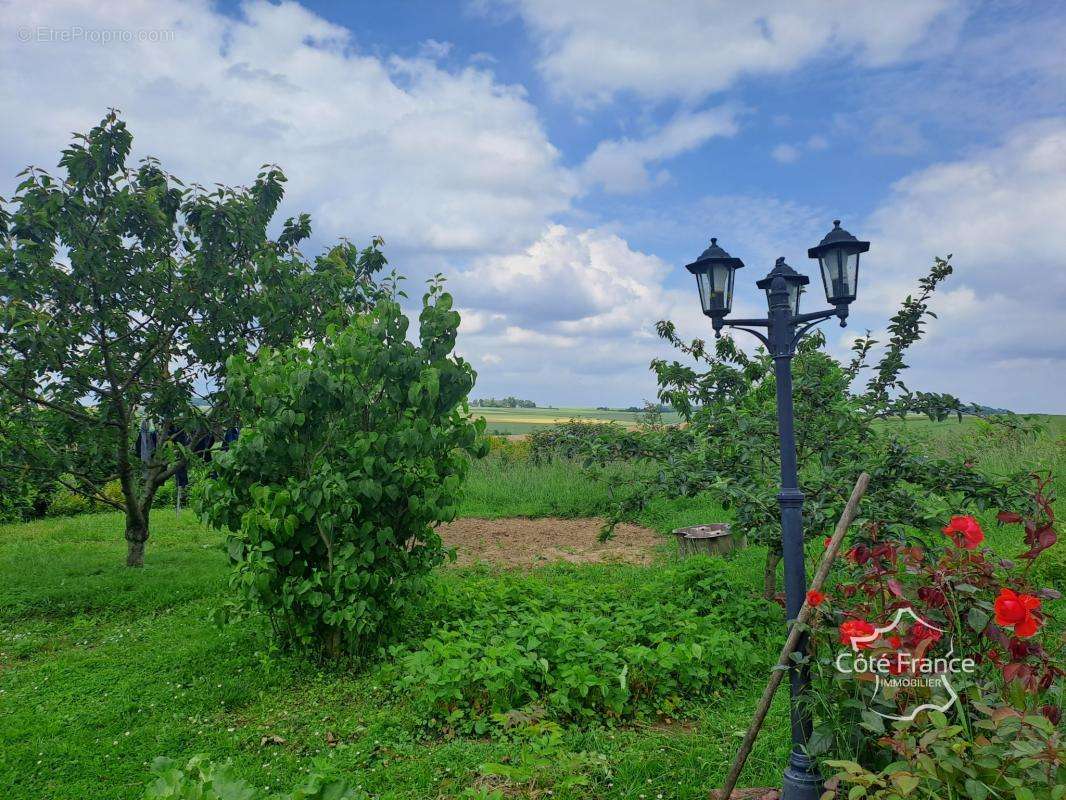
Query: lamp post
x=838 y=257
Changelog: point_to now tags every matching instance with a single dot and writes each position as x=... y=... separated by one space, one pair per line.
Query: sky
x=560 y=162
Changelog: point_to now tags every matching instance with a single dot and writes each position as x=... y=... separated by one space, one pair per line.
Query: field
x=524 y=420
x=103 y=668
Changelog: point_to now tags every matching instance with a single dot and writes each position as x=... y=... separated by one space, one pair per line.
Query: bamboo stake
x=846 y=518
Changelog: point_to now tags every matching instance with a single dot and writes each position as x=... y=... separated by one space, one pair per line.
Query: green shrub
x=509 y=450
x=1015 y=756
x=65 y=503
x=351 y=452
x=200 y=779
x=626 y=653
x=571 y=439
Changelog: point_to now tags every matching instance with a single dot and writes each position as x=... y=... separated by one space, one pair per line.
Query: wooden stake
x=781 y=668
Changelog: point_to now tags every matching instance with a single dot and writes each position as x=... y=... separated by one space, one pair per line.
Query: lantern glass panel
x=840 y=271
x=716 y=289
x=795 y=294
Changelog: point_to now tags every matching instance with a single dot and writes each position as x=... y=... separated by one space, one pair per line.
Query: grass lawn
x=103 y=668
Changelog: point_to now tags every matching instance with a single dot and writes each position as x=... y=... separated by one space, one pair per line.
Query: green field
x=525 y=420
x=103 y=668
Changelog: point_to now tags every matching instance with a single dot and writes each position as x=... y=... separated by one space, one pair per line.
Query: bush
x=626 y=653
x=65 y=503
x=570 y=439
x=351 y=452
x=509 y=451
x=999 y=733
x=1021 y=757
x=200 y=779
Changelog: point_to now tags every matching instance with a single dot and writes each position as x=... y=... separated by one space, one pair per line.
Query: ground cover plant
x=79 y=636
x=519 y=649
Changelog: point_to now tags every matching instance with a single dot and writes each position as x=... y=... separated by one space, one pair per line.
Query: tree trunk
x=136 y=536
x=135 y=540
x=769 y=575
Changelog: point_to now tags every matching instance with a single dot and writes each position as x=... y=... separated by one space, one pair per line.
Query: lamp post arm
x=746 y=325
x=750 y=323
x=814 y=316
x=804 y=322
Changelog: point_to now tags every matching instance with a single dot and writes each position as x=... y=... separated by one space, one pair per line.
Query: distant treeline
x=503 y=402
x=662 y=408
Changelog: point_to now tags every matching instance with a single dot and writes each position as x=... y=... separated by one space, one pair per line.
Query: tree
x=125 y=292
x=730 y=446
x=353 y=450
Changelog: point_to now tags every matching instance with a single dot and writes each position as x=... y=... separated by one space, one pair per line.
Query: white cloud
x=687 y=49
x=447 y=161
x=786 y=153
x=432 y=48
x=974 y=85
x=572 y=316
x=621 y=166
x=1001 y=333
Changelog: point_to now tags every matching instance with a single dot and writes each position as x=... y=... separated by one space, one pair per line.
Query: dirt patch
x=520 y=542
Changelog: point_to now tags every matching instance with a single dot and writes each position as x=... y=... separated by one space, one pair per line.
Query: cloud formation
x=447 y=161
x=1001 y=330
x=591 y=51
x=560 y=276
x=578 y=305
x=622 y=166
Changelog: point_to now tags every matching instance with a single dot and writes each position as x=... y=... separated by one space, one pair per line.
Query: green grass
x=103 y=668
x=495 y=488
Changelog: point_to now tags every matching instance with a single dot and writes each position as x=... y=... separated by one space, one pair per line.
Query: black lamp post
x=838 y=257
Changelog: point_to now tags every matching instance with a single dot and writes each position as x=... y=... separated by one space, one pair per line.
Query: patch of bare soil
x=520 y=542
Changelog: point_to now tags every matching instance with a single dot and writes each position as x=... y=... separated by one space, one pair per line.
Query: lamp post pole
x=784 y=325
x=801 y=781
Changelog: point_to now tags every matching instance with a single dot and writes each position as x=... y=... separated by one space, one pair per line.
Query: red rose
x=965 y=532
x=921 y=631
x=1016 y=610
x=895 y=641
x=815 y=598
x=856 y=629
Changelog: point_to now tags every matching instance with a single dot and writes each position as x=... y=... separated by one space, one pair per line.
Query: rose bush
x=910 y=606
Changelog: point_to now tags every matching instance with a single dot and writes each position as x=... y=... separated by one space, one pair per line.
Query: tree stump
x=714 y=539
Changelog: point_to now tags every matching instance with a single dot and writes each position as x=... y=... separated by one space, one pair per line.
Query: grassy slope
x=102 y=668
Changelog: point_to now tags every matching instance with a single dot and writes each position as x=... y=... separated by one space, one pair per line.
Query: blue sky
x=562 y=161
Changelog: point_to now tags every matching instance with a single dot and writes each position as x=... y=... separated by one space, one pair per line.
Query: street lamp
x=838 y=257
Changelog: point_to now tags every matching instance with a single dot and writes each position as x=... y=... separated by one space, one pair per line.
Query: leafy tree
x=352 y=451
x=730 y=445
x=124 y=294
